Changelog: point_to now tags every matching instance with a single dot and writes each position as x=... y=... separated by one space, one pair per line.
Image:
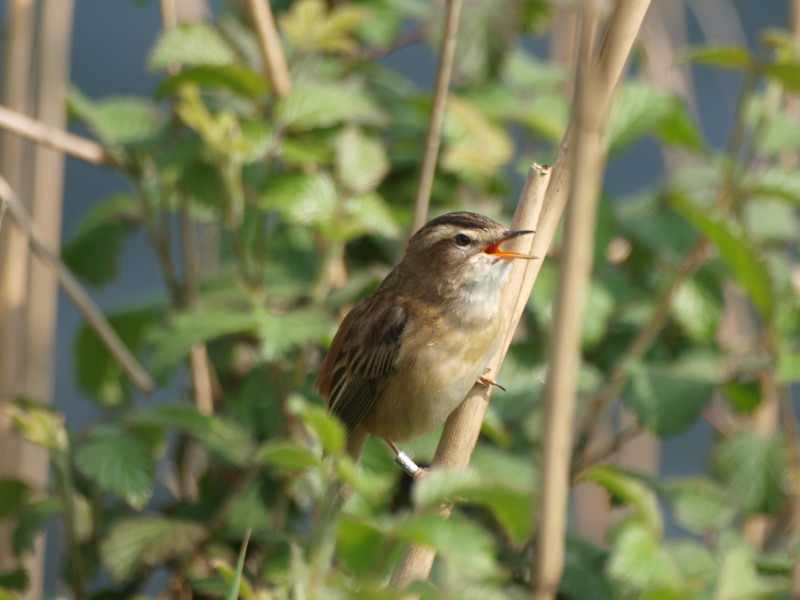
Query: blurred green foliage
x=303 y=202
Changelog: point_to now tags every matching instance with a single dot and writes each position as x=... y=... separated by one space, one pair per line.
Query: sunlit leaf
x=117 y=120
x=328 y=428
x=473 y=144
x=699 y=504
x=724 y=57
x=787 y=74
x=753 y=469
x=698 y=309
x=279 y=333
x=639 y=561
x=39 y=423
x=120 y=464
x=324 y=104
x=311 y=27
x=133 y=544
x=739 y=578
x=190 y=45
x=361 y=161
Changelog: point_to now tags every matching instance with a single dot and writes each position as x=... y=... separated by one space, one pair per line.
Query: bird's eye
x=462 y=240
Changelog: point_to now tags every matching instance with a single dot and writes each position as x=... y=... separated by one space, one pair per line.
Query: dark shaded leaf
x=13 y=496
x=93 y=251
x=98 y=374
x=669 y=398
x=231 y=77
x=30 y=522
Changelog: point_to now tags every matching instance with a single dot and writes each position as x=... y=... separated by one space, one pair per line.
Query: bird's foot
x=487 y=382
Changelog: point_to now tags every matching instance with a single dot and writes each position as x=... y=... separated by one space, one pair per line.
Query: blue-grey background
x=111 y=41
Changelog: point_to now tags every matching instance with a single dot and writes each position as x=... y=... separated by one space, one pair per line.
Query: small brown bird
x=406 y=355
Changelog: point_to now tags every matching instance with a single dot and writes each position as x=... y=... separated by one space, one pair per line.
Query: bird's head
x=461 y=250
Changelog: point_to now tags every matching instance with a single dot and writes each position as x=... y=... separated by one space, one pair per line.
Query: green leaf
x=302 y=199
x=739 y=579
x=738 y=251
x=511 y=507
x=328 y=428
x=743 y=397
x=31 y=520
x=10 y=581
x=753 y=469
x=173 y=344
x=117 y=120
x=677 y=129
x=597 y=314
x=286 y=455
x=787 y=74
x=120 y=464
x=324 y=104
x=133 y=544
x=38 y=423
x=638 y=109
x=457 y=540
x=279 y=333
x=640 y=562
x=13 y=496
x=366 y=214
x=361 y=161
x=359 y=544
x=724 y=57
x=771 y=220
x=235 y=78
x=223 y=437
x=189 y=45
x=775 y=181
x=236 y=582
x=472 y=143
x=789 y=367
x=93 y=251
x=310 y=27
x=697 y=309
x=631 y=490
x=700 y=505
x=669 y=398
x=583 y=577
x=97 y=372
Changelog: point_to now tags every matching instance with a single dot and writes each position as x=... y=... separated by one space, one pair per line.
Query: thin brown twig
x=52 y=137
x=270 y=44
x=88 y=309
x=433 y=139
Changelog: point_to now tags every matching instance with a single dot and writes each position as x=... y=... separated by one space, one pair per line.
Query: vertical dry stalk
x=444 y=71
x=463 y=426
x=573 y=283
x=14 y=258
x=270 y=43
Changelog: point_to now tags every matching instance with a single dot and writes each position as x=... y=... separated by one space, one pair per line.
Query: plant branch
x=270 y=44
x=463 y=426
x=52 y=137
x=86 y=307
x=444 y=72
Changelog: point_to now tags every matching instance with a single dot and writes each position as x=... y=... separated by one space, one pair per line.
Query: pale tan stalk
x=88 y=309
x=270 y=43
x=16 y=454
x=444 y=71
x=53 y=137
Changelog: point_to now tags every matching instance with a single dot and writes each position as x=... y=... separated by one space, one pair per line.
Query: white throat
x=479 y=300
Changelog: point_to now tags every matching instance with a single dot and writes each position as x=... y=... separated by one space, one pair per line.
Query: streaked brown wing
x=363 y=364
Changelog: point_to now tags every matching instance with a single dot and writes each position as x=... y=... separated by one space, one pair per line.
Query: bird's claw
x=487 y=382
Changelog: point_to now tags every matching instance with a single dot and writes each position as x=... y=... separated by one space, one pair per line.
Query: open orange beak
x=496 y=251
